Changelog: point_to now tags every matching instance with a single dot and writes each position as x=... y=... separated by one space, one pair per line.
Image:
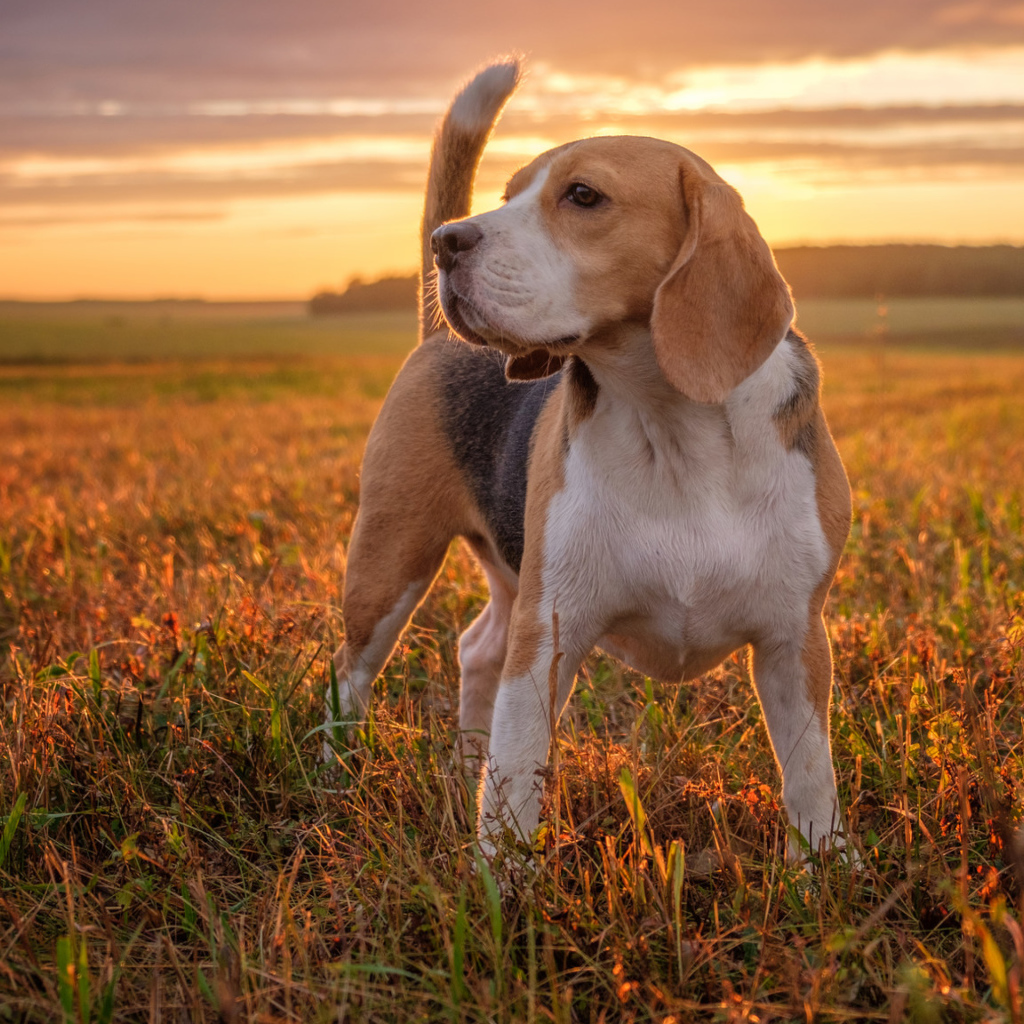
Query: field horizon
x=814 y=270
x=96 y=332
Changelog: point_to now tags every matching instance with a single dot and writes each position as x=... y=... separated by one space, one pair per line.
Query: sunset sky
x=232 y=149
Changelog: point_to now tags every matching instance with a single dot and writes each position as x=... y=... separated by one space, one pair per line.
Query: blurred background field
x=145 y=331
x=76 y=332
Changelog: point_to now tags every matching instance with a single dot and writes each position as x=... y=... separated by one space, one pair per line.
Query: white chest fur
x=685 y=531
x=680 y=533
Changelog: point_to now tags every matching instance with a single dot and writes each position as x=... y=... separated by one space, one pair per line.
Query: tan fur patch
x=414 y=500
x=832 y=492
x=795 y=419
x=547 y=477
x=724 y=306
x=623 y=249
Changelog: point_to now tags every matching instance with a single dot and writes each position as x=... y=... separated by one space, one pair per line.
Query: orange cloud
x=233 y=149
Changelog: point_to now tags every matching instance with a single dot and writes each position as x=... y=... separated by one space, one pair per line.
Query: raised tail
x=458 y=146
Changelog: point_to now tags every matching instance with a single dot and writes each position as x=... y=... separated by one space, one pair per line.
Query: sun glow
x=891 y=78
x=896 y=146
x=250 y=250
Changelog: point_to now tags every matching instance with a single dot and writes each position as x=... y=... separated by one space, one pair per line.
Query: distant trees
x=387 y=294
x=833 y=271
x=863 y=271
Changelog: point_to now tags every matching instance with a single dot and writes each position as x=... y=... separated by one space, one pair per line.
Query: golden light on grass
x=169 y=588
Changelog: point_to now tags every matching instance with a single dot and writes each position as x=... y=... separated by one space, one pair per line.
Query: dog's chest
x=694 y=536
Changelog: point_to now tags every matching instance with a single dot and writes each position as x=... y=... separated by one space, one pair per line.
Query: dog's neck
x=635 y=400
x=623 y=364
x=638 y=414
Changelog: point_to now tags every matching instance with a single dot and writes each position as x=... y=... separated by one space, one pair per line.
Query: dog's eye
x=583 y=195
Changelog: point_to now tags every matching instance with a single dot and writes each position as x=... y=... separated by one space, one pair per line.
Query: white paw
x=800 y=854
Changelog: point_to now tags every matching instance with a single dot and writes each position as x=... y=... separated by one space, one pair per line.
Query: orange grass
x=171 y=555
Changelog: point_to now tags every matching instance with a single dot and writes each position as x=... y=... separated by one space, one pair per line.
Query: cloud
x=67 y=52
x=92 y=135
x=119 y=112
x=188 y=164
x=113 y=190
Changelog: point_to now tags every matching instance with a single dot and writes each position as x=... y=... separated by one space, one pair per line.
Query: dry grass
x=171 y=552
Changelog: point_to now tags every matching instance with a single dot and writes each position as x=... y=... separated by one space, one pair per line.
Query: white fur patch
x=687 y=531
x=355 y=689
x=712 y=541
x=476 y=107
x=518 y=283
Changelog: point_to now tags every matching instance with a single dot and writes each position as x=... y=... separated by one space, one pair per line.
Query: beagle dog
x=631 y=444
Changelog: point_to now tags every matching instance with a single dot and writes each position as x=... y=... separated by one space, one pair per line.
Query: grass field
x=144 y=331
x=141 y=331
x=172 y=547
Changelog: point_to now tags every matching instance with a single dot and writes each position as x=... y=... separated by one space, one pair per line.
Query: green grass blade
x=11 y=826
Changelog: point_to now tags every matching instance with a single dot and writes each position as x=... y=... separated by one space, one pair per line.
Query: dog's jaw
x=455 y=309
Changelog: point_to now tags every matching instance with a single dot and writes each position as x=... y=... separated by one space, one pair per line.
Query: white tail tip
x=483 y=97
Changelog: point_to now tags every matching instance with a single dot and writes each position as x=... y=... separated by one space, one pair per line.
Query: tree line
x=834 y=271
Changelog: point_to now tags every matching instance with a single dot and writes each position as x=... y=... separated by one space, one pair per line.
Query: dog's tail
x=458 y=146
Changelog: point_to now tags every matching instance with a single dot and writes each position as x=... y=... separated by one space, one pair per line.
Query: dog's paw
x=499 y=868
x=835 y=849
x=339 y=737
x=344 y=714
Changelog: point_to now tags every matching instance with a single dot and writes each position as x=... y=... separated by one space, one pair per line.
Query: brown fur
x=723 y=306
x=796 y=418
x=547 y=477
x=619 y=268
x=406 y=467
x=832 y=491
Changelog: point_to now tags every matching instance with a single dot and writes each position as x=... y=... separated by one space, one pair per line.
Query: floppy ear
x=724 y=306
x=536 y=363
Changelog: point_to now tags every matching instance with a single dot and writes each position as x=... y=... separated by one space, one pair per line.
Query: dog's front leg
x=794 y=683
x=543 y=658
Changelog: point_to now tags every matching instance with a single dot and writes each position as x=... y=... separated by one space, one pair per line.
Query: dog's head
x=617 y=230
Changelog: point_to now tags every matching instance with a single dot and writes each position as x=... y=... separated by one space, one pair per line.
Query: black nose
x=450 y=239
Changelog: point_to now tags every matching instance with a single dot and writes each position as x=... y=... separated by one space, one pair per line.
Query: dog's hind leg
x=385 y=581
x=413 y=501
